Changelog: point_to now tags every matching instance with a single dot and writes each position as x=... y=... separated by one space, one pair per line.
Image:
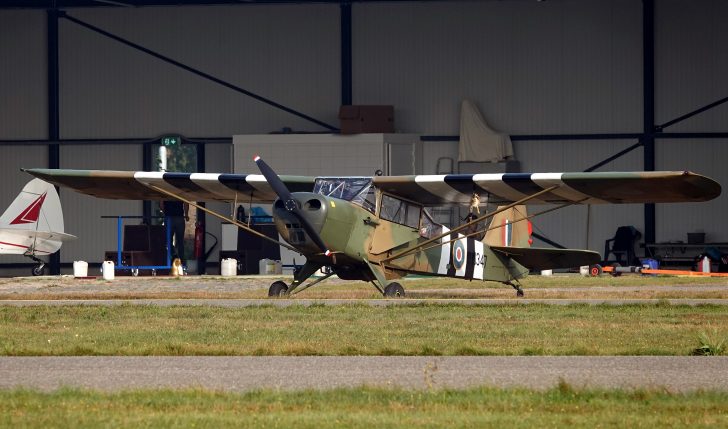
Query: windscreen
x=358 y=190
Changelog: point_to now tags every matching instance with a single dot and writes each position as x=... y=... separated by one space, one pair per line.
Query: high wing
x=130 y=185
x=429 y=190
x=582 y=188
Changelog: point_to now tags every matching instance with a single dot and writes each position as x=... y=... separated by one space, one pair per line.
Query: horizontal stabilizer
x=549 y=259
x=43 y=235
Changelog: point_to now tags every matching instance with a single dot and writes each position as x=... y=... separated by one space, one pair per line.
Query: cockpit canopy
x=358 y=190
x=361 y=191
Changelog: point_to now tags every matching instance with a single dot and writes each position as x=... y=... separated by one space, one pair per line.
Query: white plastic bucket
x=228 y=267
x=80 y=269
x=107 y=269
x=584 y=270
x=266 y=266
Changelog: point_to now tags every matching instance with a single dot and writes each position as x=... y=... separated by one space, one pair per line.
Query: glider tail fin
x=36 y=208
x=510 y=228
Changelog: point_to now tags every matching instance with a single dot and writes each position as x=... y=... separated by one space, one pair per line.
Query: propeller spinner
x=289 y=203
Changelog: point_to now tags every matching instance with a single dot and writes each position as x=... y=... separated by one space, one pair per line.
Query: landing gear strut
x=517 y=287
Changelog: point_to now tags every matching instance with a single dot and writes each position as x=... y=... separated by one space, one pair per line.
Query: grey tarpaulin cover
x=479 y=142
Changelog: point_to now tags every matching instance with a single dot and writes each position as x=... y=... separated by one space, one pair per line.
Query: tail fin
x=36 y=208
x=510 y=228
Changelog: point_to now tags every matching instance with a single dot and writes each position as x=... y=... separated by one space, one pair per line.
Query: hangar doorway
x=175 y=154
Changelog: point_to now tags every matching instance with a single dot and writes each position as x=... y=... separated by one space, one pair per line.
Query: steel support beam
x=346 y=53
x=54 y=153
x=648 y=73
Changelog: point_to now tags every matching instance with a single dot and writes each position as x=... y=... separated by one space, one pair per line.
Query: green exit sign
x=171 y=141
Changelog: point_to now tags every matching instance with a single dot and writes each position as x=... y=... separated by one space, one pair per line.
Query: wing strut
x=570 y=203
x=231 y=220
x=465 y=225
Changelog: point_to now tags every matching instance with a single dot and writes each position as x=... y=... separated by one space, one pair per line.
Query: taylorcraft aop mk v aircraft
x=376 y=229
x=33 y=224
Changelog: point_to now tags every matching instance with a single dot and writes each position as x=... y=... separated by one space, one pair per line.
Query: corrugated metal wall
x=560 y=66
x=691 y=62
x=23 y=106
x=532 y=67
x=286 y=53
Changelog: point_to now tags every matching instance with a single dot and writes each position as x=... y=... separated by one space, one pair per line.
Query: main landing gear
x=38 y=269
x=281 y=289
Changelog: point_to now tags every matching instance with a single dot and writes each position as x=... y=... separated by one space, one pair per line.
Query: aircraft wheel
x=277 y=289
x=595 y=270
x=394 y=290
x=135 y=272
x=38 y=270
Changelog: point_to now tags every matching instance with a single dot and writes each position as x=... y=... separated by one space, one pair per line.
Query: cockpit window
x=399 y=211
x=428 y=227
x=358 y=190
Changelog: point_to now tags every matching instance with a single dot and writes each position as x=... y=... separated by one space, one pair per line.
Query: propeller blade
x=274 y=181
x=289 y=203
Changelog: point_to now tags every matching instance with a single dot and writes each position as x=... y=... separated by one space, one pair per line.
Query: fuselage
x=369 y=231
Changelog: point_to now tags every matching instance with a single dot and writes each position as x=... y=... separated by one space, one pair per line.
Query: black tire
x=277 y=289
x=595 y=270
x=37 y=271
x=394 y=290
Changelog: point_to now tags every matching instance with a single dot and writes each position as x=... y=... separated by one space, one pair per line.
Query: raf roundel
x=458 y=255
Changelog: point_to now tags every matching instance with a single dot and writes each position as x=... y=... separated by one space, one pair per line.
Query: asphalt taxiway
x=672 y=373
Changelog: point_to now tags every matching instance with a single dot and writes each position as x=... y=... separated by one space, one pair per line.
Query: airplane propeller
x=289 y=203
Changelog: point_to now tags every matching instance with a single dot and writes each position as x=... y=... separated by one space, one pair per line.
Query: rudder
x=510 y=228
x=36 y=208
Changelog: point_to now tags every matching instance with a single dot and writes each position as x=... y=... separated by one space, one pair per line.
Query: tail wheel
x=595 y=270
x=38 y=270
x=394 y=290
x=277 y=289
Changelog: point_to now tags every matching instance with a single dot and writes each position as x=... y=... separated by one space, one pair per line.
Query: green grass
x=364 y=408
x=359 y=330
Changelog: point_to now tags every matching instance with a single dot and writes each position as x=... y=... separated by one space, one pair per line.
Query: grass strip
x=359 y=330
x=364 y=408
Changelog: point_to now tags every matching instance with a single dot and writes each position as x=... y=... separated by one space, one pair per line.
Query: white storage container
x=80 y=269
x=107 y=269
x=228 y=267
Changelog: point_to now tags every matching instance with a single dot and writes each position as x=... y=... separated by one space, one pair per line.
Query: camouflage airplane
x=377 y=229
